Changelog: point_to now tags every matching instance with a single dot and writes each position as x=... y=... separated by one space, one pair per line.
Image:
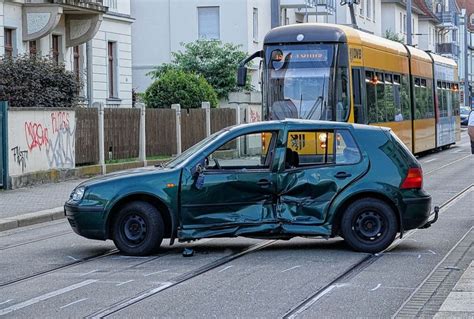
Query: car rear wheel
x=138 y=229
x=369 y=225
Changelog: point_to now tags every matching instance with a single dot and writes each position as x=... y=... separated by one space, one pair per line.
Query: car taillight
x=414 y=179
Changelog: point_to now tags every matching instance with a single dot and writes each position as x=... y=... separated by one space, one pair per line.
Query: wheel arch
x=159 y=204
x=341 y=208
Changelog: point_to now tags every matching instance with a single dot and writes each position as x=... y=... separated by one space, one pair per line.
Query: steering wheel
x=217 y=165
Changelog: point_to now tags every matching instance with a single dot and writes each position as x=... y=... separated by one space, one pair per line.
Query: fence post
x=101 y=138
x=177 y=108
x=207 y=107
x=142 y=147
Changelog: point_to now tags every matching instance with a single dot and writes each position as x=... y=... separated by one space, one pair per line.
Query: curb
x=31 y=218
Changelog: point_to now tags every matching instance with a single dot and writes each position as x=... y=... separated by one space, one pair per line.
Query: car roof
x=301 y=124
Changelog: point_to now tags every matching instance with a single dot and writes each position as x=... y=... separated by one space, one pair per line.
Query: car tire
x=138 y=229
x=369 y=225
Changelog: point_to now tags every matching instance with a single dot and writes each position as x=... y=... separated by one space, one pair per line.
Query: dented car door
x=319 y=164
x=235 y=193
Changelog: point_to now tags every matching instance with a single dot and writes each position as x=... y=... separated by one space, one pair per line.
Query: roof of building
x=469 y=6
x=403 y=3
x=428 y=14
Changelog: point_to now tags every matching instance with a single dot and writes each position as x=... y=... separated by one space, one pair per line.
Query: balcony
x=311 y=7
x=447 y=19
x=450 y=49
x=82 y=19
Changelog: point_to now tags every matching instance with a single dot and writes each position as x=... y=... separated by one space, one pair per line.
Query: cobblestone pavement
x=35 y=198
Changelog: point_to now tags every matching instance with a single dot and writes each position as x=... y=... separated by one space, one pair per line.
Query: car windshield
x=193 y=149
x=465 y=110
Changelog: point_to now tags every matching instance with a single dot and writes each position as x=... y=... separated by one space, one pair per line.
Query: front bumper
x=88 y=222
x=417 y=212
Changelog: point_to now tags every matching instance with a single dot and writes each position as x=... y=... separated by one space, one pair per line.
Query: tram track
x=361 y=265
x=59 y=234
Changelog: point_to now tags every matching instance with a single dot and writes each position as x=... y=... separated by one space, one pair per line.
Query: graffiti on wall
x=47 y=140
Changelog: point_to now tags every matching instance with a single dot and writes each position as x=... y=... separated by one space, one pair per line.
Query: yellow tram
x=337 y=73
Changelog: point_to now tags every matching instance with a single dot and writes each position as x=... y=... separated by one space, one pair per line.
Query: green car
x=276 y=179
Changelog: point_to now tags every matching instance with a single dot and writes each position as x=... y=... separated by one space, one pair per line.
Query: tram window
x=423 y=82
x=370 y=85
x=405 y=103
x=438 y=85
x=389 y=104
x=342 y=96
x=449 y=98
x=381 y=112
x=430 y=104
x=396 y=79
x=417 y=82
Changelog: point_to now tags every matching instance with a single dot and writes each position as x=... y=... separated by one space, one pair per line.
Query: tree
x=35 y=81
x=215 y=61
x=394 y=36
x=176 y=86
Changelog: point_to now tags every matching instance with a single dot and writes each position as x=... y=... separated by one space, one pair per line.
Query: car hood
x=124 y=175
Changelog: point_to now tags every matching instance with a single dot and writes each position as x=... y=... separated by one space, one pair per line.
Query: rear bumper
x=417 y=212
x=86 y=221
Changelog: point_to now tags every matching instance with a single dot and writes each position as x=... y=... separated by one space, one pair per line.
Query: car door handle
x=264 y=183
x=342 y=175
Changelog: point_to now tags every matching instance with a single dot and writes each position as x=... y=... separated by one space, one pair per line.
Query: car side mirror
x=199 y=176
x=241 y=76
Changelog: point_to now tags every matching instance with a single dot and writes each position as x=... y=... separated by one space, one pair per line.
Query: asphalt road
x=48 y=271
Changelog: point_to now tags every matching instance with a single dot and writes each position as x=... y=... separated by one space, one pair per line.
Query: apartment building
x=161 y=27
x=91 y=37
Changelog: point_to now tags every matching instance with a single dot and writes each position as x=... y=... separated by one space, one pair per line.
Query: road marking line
x=2 y=303
x=430 y=160
x=123 y=283
x=73 y=303
x=316 y=298
x=419 y=256
x=72 y=258
x=376 y=287
x=88 y=273
x=432 y=252
x=153 y=273
x=224 y=269
x=291 y=268
x=44 y=297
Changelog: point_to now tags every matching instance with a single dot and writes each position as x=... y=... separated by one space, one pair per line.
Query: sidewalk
x=35 y=204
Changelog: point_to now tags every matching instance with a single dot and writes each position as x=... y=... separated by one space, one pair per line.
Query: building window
x=112 y=65
x=255 y=24
x=404 y=23
x=56 y=47
x=33 y=47
x=208 y=23
x=361 y=7
x=373 y=10
x=369 y=9
x=401 y=22
x=8 y=36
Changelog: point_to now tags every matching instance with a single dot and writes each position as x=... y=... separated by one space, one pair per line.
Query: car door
x=318 y=165
x=237 y=187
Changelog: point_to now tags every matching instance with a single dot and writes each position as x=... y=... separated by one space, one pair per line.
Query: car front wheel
x=369 y=225
x=138 y=229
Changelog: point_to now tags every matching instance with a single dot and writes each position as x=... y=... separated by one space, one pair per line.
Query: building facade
x=163 y=26
x=92 y=38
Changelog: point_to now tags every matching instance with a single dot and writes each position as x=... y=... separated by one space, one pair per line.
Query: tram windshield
x=300 y=83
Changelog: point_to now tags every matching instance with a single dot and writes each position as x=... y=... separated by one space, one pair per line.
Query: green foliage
x=176 y=86
x=215 y=61
x=35 y=81
x=393 y=36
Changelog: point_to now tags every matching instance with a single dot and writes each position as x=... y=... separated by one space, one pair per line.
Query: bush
x=35 y=81
x=176 y=86
x=215 y=61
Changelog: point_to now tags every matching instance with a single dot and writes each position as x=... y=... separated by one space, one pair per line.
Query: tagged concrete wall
x=40 y=140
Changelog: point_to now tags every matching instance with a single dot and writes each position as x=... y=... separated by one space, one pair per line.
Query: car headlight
x=78 y=194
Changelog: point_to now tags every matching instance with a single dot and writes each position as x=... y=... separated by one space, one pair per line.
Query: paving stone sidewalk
x=35 y=198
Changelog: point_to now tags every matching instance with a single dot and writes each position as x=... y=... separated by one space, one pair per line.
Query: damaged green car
x=277 y=179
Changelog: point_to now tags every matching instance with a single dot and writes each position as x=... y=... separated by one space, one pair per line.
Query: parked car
x=465 y=110
x=263 y=180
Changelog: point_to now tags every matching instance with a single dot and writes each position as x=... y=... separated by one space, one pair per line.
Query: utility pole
x=409 y=26
x=467 y=93
x=275 y=11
